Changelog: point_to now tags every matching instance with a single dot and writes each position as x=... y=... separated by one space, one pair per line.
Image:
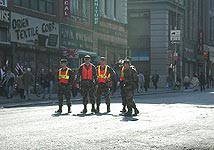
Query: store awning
x=84 y=52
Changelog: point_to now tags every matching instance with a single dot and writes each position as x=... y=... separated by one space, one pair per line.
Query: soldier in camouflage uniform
x=130 y=85
x=65 y=78
x=87 y=77
x=105 y=75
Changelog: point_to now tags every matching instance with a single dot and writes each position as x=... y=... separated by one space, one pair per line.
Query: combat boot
x=136 y=112
x=93 y=109
x=98 y=109
x=129 y=112
x=69 y=109
x=108 y=108
x=124 y=109
x=59 y=111
x=84 y=109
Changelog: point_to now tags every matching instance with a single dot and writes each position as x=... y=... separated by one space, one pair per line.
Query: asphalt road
x=174 y=121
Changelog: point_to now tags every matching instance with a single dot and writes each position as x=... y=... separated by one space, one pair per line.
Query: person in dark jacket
x=202 y=81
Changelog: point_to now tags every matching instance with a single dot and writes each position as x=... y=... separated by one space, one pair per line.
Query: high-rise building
x=149 y=27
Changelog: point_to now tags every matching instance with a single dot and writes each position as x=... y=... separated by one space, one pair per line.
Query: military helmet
x=63 y=60
x=102 y=58
x=87 y=56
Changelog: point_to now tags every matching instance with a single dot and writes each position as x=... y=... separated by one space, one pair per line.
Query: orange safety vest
x=122 y=74
x=63 y=76
x=87 y=73
x=102 y=75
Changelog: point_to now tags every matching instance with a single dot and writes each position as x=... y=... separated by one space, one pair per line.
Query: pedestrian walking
x=44 y=83
x=194 y=84
x=86 y=82
x=130 y=85
x=186 y=82
x=10 y=78
x=202 y=81
x=105 y=74
x=147 y=81
x=65 y=79
x=141 y=82
x=155 y=79
x=27 y=81
x=50 y=77
x=20 y=85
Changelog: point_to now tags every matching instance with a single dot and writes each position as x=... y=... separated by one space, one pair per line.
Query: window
x=42 y=5
x=50 y=6
x=46 y=6
x=18 y=2
x=26 y=3
x=106 y=7
x=115 y=8
x=34 y=4
x=3 y=34
x=80 y=10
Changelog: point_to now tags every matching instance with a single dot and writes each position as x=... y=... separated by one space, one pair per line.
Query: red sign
x=66 y=8
x=175 y=56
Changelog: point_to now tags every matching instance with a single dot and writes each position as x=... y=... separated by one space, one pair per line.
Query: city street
x=174 y=121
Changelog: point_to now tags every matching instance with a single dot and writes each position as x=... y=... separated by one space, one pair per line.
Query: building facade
x=110 y=30
x=5 y=45
x=34 y=34
x=149 y=26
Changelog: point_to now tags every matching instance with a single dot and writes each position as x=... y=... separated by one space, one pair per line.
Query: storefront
x=5 y=46
x=35 y=42
x=75 y=43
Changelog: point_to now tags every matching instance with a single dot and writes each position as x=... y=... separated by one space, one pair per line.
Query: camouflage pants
x=64 y=90
x=88 y=89
x=123 y=93
x=103 y=89
x=129 y=92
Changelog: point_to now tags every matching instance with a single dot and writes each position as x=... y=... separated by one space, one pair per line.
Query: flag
x=18 y=68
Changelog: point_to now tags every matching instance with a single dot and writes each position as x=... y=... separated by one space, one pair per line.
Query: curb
x=75 y=100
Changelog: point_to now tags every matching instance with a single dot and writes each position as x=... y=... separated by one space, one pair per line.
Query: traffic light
x=205 y=55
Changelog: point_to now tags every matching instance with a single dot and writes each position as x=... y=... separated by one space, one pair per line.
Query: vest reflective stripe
x=122 y=74
x=102 y=75
x=63 y=76
x=86 y=73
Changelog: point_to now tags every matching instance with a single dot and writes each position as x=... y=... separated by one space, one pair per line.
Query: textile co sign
x=3 y=3
x=26 y=30
x=96 y=12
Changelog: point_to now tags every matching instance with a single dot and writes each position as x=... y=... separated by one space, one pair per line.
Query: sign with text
x=3 y=3
x=175 y=35
x=66 y=8
x=72 y=37
x=96 y=12
x=29 y=30
x=4 y=17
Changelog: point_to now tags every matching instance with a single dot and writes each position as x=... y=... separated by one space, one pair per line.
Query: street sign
x=175 y=35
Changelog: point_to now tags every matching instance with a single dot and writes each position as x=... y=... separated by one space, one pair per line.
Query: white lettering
x=4 y=16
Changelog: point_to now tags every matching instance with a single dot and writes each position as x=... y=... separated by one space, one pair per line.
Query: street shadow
x=129 y=118
x=58 y=114
x=83 y=114
x=103 y=114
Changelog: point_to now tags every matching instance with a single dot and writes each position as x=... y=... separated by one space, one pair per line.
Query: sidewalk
x=35 y=100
